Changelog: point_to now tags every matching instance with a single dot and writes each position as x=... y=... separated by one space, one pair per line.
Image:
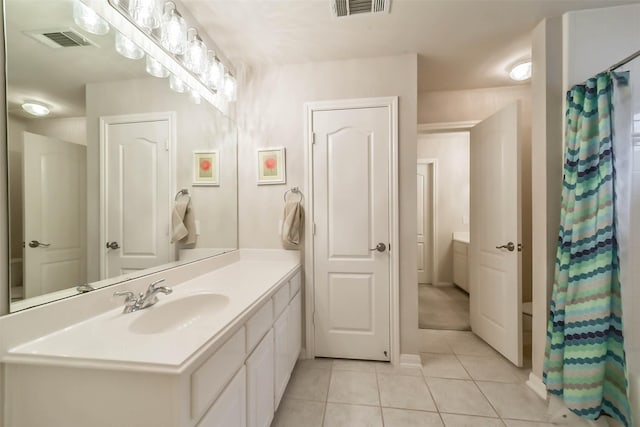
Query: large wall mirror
x=124 y=175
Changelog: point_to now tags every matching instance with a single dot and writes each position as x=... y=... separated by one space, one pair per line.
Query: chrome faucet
x=143 y=300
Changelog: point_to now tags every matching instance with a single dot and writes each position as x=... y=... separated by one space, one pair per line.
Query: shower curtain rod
x=624 y=61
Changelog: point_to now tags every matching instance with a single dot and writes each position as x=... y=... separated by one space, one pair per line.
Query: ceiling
x=462 y=44
x=57 y=77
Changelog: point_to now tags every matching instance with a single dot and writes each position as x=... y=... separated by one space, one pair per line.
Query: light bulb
x=215 y=75
x=176 y=84
x=230 y=87
x=521 y=71
x=145 y=13
x=87 y=19
x=195 y=56
x=127 y=48
x=155 y=68
x=173 y=30
x=195 y=96
x=36 y=108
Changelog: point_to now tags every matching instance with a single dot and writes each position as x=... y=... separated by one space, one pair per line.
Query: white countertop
x=106 y=341
x=461 y=236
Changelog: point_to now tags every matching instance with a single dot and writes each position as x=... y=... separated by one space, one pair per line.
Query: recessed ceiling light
x=521 y=71
x=36 y=108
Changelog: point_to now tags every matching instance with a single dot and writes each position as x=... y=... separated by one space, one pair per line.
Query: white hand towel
x=183 y=222
x=292 y=222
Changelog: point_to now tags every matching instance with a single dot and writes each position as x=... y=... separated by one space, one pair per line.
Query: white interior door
x=494 y=256
x=425 y=226
x=136 y=183
x=55 y=206
x=351 y=175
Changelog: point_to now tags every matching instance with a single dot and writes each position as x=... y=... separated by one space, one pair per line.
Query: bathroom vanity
x=461 y=260
x=218 y=351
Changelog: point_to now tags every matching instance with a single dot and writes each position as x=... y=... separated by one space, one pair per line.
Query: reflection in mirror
x=111 y=173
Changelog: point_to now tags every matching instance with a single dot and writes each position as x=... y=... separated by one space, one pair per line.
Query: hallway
x=462 y=382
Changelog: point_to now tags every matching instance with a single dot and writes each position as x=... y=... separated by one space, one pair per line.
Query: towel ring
x=294 y=190
x=182 y=192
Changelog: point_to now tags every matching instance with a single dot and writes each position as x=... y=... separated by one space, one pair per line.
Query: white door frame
x=434 y=216
x=394 y=272
x=105 y=121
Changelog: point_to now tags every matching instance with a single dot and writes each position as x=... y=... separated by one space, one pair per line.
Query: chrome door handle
x=509 y=246
x=380 y=247
x=36 y=244
x=113 y=245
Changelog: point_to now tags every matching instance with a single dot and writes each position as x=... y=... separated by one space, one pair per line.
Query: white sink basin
x=178 y=314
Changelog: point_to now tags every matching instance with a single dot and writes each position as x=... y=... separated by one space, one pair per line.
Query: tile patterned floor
x=443 y=307
x=462 y=383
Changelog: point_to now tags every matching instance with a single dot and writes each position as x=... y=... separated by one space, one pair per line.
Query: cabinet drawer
x=259 y=324
x=280 y=300
x=210 y=378
x=296 y=282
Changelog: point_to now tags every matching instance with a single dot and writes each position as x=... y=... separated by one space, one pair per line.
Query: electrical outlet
x=465 y=219
x=197 y=224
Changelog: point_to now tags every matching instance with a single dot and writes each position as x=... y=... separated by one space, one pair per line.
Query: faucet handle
x=129 y=296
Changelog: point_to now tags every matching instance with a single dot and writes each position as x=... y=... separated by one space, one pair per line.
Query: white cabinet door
x=295 y=330
x=260 y=377
x=230 y=410
x=281 y=339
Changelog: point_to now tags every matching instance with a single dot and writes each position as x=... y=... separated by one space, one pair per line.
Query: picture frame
x=272 y=167
x=206 y=168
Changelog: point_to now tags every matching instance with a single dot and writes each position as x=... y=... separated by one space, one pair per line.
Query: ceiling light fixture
x=146 y=13
x=155 y=68
x=195 y=57
x=521 y=72
x=36 y=108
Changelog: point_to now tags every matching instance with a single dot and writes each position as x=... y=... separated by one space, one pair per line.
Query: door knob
x=36 y=244
x=113 y=245
x=509 y=246
x=380 y=247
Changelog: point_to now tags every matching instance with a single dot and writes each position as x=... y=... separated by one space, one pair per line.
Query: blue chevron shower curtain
x=584 y=360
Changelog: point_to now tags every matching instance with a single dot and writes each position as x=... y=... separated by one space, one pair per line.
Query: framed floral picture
x=271 y=166
x=206 y=168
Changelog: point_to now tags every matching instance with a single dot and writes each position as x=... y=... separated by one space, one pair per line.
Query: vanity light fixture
x=87 y=19
x=195 y=56
x=176 y=84
x=145 y=13
x=215 y=74
x=155 y=68
x=36 y=108
x=195 y=97
x=230 y=87
x=127 y=48
x=521 y=72
x=173 y=30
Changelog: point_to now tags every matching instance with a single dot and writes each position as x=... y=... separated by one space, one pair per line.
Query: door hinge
x=166 y=144
x=313 y=138
x=389 y=247
x=313 y=228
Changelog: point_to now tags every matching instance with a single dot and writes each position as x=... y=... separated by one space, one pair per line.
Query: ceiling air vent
x=66 y=37
x=353 y=7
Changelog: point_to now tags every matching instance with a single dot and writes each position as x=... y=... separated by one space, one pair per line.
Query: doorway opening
x=443 y=230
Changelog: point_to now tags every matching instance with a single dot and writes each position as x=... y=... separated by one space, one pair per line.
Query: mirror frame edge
x=4 y=181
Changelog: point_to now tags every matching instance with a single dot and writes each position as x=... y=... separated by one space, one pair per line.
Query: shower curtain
x=584 y=360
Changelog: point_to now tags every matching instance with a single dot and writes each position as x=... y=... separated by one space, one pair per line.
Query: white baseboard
x=537 y=386
x=410 y=360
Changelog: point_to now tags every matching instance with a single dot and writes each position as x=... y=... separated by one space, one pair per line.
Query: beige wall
x=546 y=162
x=199 y=127
x=452 y=153
x=270 y=114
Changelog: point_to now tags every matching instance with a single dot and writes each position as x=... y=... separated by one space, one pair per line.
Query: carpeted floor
x=443 y=307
